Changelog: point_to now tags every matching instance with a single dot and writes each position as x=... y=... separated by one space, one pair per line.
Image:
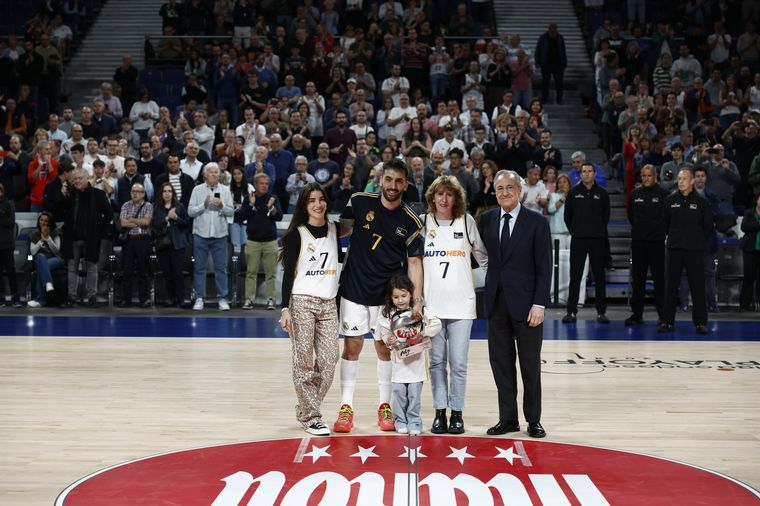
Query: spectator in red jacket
x=42 y=170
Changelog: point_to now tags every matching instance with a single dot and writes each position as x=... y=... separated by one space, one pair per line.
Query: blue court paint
x=252 y=327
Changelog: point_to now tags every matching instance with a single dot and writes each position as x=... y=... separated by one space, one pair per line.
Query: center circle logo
x=394 y=470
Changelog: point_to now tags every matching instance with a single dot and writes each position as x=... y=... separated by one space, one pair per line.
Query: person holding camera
x=210 y=206
x=670 y=169
x=297 y=181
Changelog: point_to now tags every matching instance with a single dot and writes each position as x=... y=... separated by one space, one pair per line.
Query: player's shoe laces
x=345 y=421
x=385 y=417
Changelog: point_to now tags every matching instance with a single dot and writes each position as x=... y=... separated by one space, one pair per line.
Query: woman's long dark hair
x=159 y=196
x=300 y=214
x=51 y=221
x=239 y=191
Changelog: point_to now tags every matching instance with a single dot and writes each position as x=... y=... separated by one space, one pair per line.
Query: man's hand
x=207 y=201
x=535 y=316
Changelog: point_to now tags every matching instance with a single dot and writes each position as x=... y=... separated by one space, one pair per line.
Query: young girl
x=407 y=373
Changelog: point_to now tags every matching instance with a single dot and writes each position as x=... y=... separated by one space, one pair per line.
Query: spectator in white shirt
x=210 y=206
x=190 y=165
x=202 y=133
x=534 y=195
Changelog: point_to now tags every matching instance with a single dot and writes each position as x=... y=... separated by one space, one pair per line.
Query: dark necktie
x=505 y=232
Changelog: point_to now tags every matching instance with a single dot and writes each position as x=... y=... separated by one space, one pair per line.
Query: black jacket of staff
x=645 y=208
x=95 y=215
x=587 y=211
x=688 y=221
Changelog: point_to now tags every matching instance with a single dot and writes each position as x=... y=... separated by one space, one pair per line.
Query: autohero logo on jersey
x=445 y=253
x=394 y=471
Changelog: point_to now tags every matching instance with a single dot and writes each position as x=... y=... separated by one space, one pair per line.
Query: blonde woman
x=450 y=236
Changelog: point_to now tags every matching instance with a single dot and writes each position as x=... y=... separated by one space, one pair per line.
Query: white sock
x=384 y=372
x=348 y=370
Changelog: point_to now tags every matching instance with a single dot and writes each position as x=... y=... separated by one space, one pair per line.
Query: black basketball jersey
x=381 y=241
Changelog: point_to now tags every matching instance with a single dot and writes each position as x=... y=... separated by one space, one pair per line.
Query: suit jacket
x=524 y=270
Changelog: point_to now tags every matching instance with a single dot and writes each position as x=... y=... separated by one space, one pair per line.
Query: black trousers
x=509 y=340
x=135 y=254
x=596 y=249
x=558 y=73
x=693 y=262
x=8 y=267
x=647 y=256
x=751 y=280
x=171 y=261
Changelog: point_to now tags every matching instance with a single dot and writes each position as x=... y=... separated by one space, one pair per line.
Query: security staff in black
x=645 y=208
x=587 y=212
x=688 y=221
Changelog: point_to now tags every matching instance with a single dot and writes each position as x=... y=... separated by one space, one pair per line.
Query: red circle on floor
x=375 y=470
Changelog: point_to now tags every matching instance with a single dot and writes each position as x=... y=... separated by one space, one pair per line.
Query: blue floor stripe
x=252 y=327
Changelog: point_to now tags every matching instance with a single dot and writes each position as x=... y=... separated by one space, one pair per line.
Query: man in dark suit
x=517 y=291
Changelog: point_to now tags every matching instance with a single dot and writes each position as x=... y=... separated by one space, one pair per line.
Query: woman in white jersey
x=450 y=236
x=309 y=256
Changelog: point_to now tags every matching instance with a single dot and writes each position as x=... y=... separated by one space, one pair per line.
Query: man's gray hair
x=510 y=174
x=210 y=166
x=578 y=155
x=301 y=158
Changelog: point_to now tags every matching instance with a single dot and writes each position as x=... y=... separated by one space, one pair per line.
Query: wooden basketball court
x=73 y=405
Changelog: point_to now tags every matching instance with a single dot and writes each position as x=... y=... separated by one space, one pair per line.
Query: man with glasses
x=114 y=161
x=130 y=178
x=135 y=217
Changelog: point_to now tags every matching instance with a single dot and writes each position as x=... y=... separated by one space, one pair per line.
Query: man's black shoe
x=123 y=304
x=665 y=327
x=602 y=318
x=440 y=425
x=569 y=318
x=634 y=320
x=536 y=430
x=92 y=302
x=456 y=424
x=71 y=302
x=145 y=304
x=701 y=329
x=503 y=428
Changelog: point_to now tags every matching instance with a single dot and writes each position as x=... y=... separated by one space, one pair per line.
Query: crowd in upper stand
x=326 y=91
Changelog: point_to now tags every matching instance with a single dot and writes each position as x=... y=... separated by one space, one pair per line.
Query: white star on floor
x=459 y=454
x=317 y=452
x=365 y=453
x=413 y=455
x=508 y=454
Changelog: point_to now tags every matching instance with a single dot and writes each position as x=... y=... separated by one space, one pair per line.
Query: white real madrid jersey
x=449 y=289
x=317 y=266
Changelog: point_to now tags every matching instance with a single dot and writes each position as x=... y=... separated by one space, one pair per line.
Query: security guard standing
x=587 y=212
x=645 y=208
x=688 y=221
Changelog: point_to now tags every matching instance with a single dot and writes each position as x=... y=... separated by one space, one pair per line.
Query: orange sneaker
x=385 y=417
x=345 y=421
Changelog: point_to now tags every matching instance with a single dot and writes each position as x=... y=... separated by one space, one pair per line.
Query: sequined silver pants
x=314 y=337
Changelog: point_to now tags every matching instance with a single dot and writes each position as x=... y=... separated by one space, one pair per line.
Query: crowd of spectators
x=284 y=95
x=682 y=91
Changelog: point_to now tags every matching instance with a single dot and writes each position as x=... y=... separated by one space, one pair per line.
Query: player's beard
x=392 y=198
